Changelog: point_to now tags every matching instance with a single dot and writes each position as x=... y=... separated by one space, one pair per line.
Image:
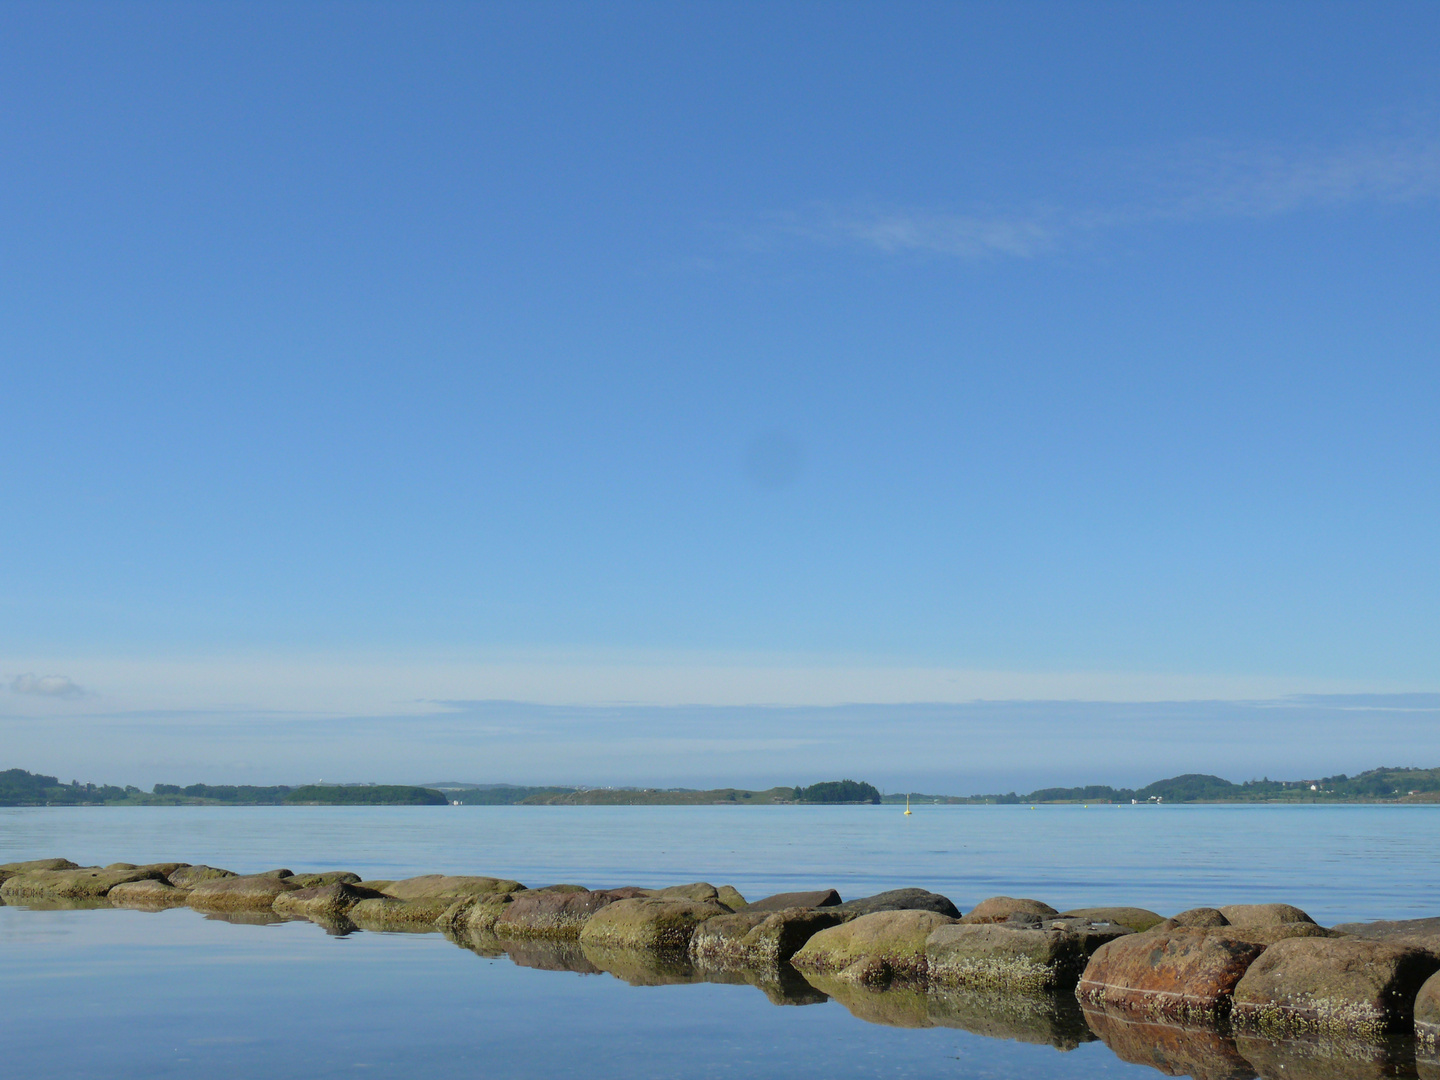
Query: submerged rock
x=902 y=900
x=80 y=884
x=1132 y=918
x=1264 y=914
x=1339 y=986
x=187 y=877
x=1181 y=973
x=649 y=923
x=255 y=892
x=878 y=948
x=999 y=908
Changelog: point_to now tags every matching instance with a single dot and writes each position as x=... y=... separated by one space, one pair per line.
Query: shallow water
x=120 y=994
x=1340 y=863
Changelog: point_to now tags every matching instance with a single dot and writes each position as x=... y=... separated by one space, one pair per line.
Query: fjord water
x=127 y=994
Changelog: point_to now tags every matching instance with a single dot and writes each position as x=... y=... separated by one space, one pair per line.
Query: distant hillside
x=663 y=797
x=20 y=788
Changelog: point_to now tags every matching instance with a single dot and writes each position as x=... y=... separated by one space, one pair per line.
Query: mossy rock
x=1264 y=914
x=38 y=864
x=1332 y=986
x=1000 y=957
x=388 y=915
x=554 y=915
x=878 y=948
x=719 y=941
x=1201 y=916
x=80 y=884
x=147 y=895
x=731 y=897
x=429 y=886
x=649 y=923
x=329 y=901
x=699 y=890
x=326 y=877
x=254 y=892
x=902 y=900
x=187 y=877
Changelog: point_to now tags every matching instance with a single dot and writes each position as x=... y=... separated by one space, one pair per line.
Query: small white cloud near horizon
x=56 y=686
x=1196 y=181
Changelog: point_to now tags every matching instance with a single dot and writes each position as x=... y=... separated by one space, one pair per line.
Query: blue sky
x=364 y=359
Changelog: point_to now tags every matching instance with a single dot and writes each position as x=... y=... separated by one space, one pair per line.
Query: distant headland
x=1382 y=785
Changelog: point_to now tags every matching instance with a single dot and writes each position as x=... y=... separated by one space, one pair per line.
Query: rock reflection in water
x=62 y=904
x=549 y=955
x=250 y=918
x=643 y=967
x=1204 y=1053
x=779 y=982
x=1042 y=1019
x=1306 y=1058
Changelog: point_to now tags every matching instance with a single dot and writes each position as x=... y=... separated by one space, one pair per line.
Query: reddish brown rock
x=1182 y=973
x=1202 y=917
x=554 y=915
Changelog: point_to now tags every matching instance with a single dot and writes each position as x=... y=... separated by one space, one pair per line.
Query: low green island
x=1382 y=785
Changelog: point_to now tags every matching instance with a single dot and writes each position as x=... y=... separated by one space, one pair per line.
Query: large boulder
x=1264 y=914
x=1182 y=973
x=1171 y=1048
x=999 y=908
x=1335 y=986
x=901 y=900
x=1138 y=919
x=254 y=892
x=150 y=894
x=327 y=877
x=84 y=883
x=1427 y=1013
x=554 y=915
x=331 y=901
x=38 y=864
x=878 y=948
x=475 y=914
x=1027 y=959
x=650 y=922
x=187 y=877
x=781 y=901
x=759 y=938
x=430 y=886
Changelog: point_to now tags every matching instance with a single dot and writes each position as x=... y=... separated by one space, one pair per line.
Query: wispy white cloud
x=55 y=686
x=1198 y=181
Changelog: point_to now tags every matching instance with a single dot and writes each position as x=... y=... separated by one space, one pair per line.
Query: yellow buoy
x=907 y=805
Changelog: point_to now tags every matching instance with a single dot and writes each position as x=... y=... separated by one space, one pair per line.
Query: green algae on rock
x=878 y=948
x=649 y=923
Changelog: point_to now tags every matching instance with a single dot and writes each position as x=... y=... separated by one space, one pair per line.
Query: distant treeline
x=20 y=788
x=1377 y=785
x=830 y=791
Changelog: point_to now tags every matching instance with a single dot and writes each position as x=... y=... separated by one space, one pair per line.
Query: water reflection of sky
x=118 y=994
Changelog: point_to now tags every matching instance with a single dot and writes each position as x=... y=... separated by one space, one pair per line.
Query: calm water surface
x=122 y=994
